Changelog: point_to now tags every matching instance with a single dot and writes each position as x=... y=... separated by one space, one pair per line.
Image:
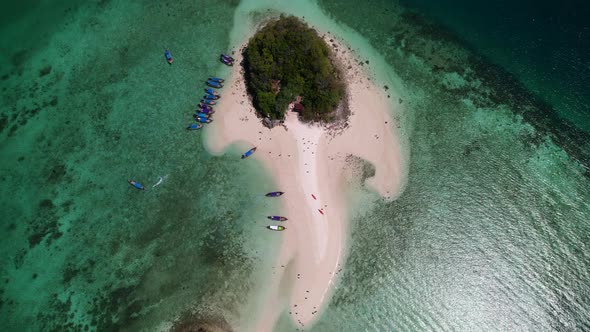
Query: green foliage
x=287 y=59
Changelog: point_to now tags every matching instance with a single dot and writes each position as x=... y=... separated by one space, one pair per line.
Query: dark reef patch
x=52 y=102
x=3 y=122
x=33 y=112
x=57 y=173
x=71 y=271
x=46 y=204
x=507 y=89
x=19 y=258
x=44 y=225
x=57 y=316
x=12 y=130
x=116 y=309
x=19 y=58
x=45 y=71
x=193 y=322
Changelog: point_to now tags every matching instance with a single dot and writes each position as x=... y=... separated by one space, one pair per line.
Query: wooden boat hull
x=211 y=97
x=194 y=126
x=205 y=106
x=215 y=84
x=168 y=57
x=212 y=92
x=277 y=218
x=202 y=120
x=248 y=153
x=136 y=185
x=205 y=111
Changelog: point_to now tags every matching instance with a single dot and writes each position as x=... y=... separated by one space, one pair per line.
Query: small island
x=286 y=62
x=316 y=157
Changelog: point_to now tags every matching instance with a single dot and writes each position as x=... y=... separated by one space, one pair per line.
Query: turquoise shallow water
x=90 y=105
x=490 y=233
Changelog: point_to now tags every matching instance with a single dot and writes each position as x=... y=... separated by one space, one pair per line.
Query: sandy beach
x=308 y=162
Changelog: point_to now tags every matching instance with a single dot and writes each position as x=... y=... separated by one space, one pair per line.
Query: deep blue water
x=545 y=44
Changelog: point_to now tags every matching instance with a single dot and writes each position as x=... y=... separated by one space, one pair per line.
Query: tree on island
x=286 y=59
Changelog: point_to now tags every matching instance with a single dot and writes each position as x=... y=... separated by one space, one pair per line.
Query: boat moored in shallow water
x=136 y=184
x=212 y=92
x=248 y=153
x=274 y=194
x=277 y=218
x=202 y=120
x=203 y=115
x=211 y=97
x=226 y=61
x=277 y=228
x=216 y=79
x=194 y=126
x=168 y=57
x=225 y=56
x=208 y=102
x=205 y=111
x=214 y=84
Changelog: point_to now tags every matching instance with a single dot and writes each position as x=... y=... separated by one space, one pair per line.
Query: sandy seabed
x=308 y=162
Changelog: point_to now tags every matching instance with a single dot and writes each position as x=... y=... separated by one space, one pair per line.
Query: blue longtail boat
x=211 y=97
x=248 y=153
x=208 y=102
x=202 y=120
x=168 y=57
x=136 y=184
x=214 y=84
x=194 y=126
x=212 y=92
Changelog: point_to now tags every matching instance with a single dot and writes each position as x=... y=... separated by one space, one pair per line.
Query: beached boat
x=216 y=79
x=226 y=62
x=248 y=153
x=225 y=56
x=274 y=194
x=194 y=126
x=212 y=92
x=168 y=56
x=202 y=120
x=214 y=84
x=277 y=218
x=203 y=115
x=208 y=102
x=205 y=110
x=203 y=106
x=211 y=97
x=136 y=184
x=277 y=228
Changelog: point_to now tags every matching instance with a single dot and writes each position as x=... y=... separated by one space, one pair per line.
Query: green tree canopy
x=286 y=59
